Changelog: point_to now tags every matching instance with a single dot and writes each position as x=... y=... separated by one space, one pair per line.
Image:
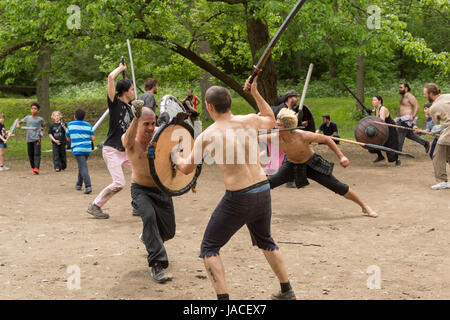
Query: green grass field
x=341 y=110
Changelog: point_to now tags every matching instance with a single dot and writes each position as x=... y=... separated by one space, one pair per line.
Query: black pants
x=34 y=154
x=402 y=134
x=83 y=172
x=286 y=174
x=158 y=219
x=59 y=156
x=234 y=210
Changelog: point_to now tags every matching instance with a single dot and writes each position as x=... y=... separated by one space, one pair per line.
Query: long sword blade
x=262 y=61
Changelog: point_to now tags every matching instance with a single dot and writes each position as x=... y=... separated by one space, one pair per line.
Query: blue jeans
x=83 y=173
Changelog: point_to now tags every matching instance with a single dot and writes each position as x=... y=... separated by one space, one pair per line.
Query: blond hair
x=288 y=118
x=54 y=113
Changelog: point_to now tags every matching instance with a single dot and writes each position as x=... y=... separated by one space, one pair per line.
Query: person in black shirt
x=57 y=133
x=120 y=117
x=328 y=127
x=3 y=140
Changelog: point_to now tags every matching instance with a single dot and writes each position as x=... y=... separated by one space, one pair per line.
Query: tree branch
x=229 y=1
x=15 y=48
x=200 y=62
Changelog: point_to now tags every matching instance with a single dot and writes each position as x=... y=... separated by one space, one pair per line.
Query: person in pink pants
x=120 y=117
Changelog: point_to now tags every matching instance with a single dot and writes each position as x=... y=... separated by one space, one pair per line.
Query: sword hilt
x=256 y=71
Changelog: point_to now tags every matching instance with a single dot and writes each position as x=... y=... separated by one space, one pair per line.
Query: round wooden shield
x=368 y=131
x=175 y=134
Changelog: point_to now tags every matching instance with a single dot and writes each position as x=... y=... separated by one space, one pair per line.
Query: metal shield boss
x=369 y=131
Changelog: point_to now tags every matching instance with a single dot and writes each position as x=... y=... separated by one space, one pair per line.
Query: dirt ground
x=328 y=246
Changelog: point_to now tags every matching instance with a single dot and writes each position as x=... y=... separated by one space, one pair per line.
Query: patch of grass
x=341 y=109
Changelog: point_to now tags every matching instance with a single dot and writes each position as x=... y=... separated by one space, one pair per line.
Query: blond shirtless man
x=409 y=106
x=155 y=207
x=247 y=197
x=301 y=162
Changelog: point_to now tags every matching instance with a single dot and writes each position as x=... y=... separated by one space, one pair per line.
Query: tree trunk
x=360 y=80
x=205 y=82
x=258 y=38
x=43 y=69
x=332 y=68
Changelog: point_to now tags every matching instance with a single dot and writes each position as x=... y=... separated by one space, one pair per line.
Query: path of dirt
x=44 y=229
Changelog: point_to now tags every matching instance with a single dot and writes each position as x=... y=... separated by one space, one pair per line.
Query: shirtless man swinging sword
x=247 y=197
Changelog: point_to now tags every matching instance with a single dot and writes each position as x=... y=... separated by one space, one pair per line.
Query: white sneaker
x=441 y=185
x=3 y=168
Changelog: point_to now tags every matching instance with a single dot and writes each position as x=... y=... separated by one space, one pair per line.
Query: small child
x=3 y=140
x=34 y=136
x=80 y=135
x=57 y=133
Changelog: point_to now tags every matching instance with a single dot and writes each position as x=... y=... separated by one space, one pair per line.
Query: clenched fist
x=137 y=104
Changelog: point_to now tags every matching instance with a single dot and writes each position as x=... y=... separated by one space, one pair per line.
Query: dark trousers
x=287 y=171
x=83 y=172
x=158 y=219
x=402 y=134
x=59 y=156
x=235 y=210
x=34 y=154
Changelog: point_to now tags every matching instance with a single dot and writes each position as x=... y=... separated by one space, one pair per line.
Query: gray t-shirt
x=149 y=100
x=38 y=123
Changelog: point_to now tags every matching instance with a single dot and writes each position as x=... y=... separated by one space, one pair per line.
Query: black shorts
x=251 y=207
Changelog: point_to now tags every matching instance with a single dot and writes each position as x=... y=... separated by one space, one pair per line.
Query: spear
x=405 y=128
x=369 y=146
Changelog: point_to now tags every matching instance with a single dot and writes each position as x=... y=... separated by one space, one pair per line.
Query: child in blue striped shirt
x=80 y=136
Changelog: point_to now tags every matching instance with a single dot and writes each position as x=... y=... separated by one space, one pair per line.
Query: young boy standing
x=3 y=140
x=34 y=136
x=80 y=135
x=57 y=133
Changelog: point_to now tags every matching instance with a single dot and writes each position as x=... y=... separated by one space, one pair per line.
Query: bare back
x=234 y=146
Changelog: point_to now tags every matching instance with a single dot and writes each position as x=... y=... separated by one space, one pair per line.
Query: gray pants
x=158 y=219
x=402 y=134
x=83 y=173
x=440 y=157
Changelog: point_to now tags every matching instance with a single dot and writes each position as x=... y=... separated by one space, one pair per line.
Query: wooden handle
x=256 y=71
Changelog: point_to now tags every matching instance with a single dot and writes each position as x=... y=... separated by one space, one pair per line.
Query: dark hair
x=379 y=98
x=326 y=116
x=123 y=85
x=80 y=114
x=433 y=88
x=406 y=85
x=150 y=83
x=220 y=98
x=36 y=105
x=427 y=105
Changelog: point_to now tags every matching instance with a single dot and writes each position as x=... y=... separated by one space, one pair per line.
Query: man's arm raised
x=129 y=136
x=266 y=118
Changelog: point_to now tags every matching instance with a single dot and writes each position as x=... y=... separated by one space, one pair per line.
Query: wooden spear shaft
x=405 y=128
x=279 y=130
